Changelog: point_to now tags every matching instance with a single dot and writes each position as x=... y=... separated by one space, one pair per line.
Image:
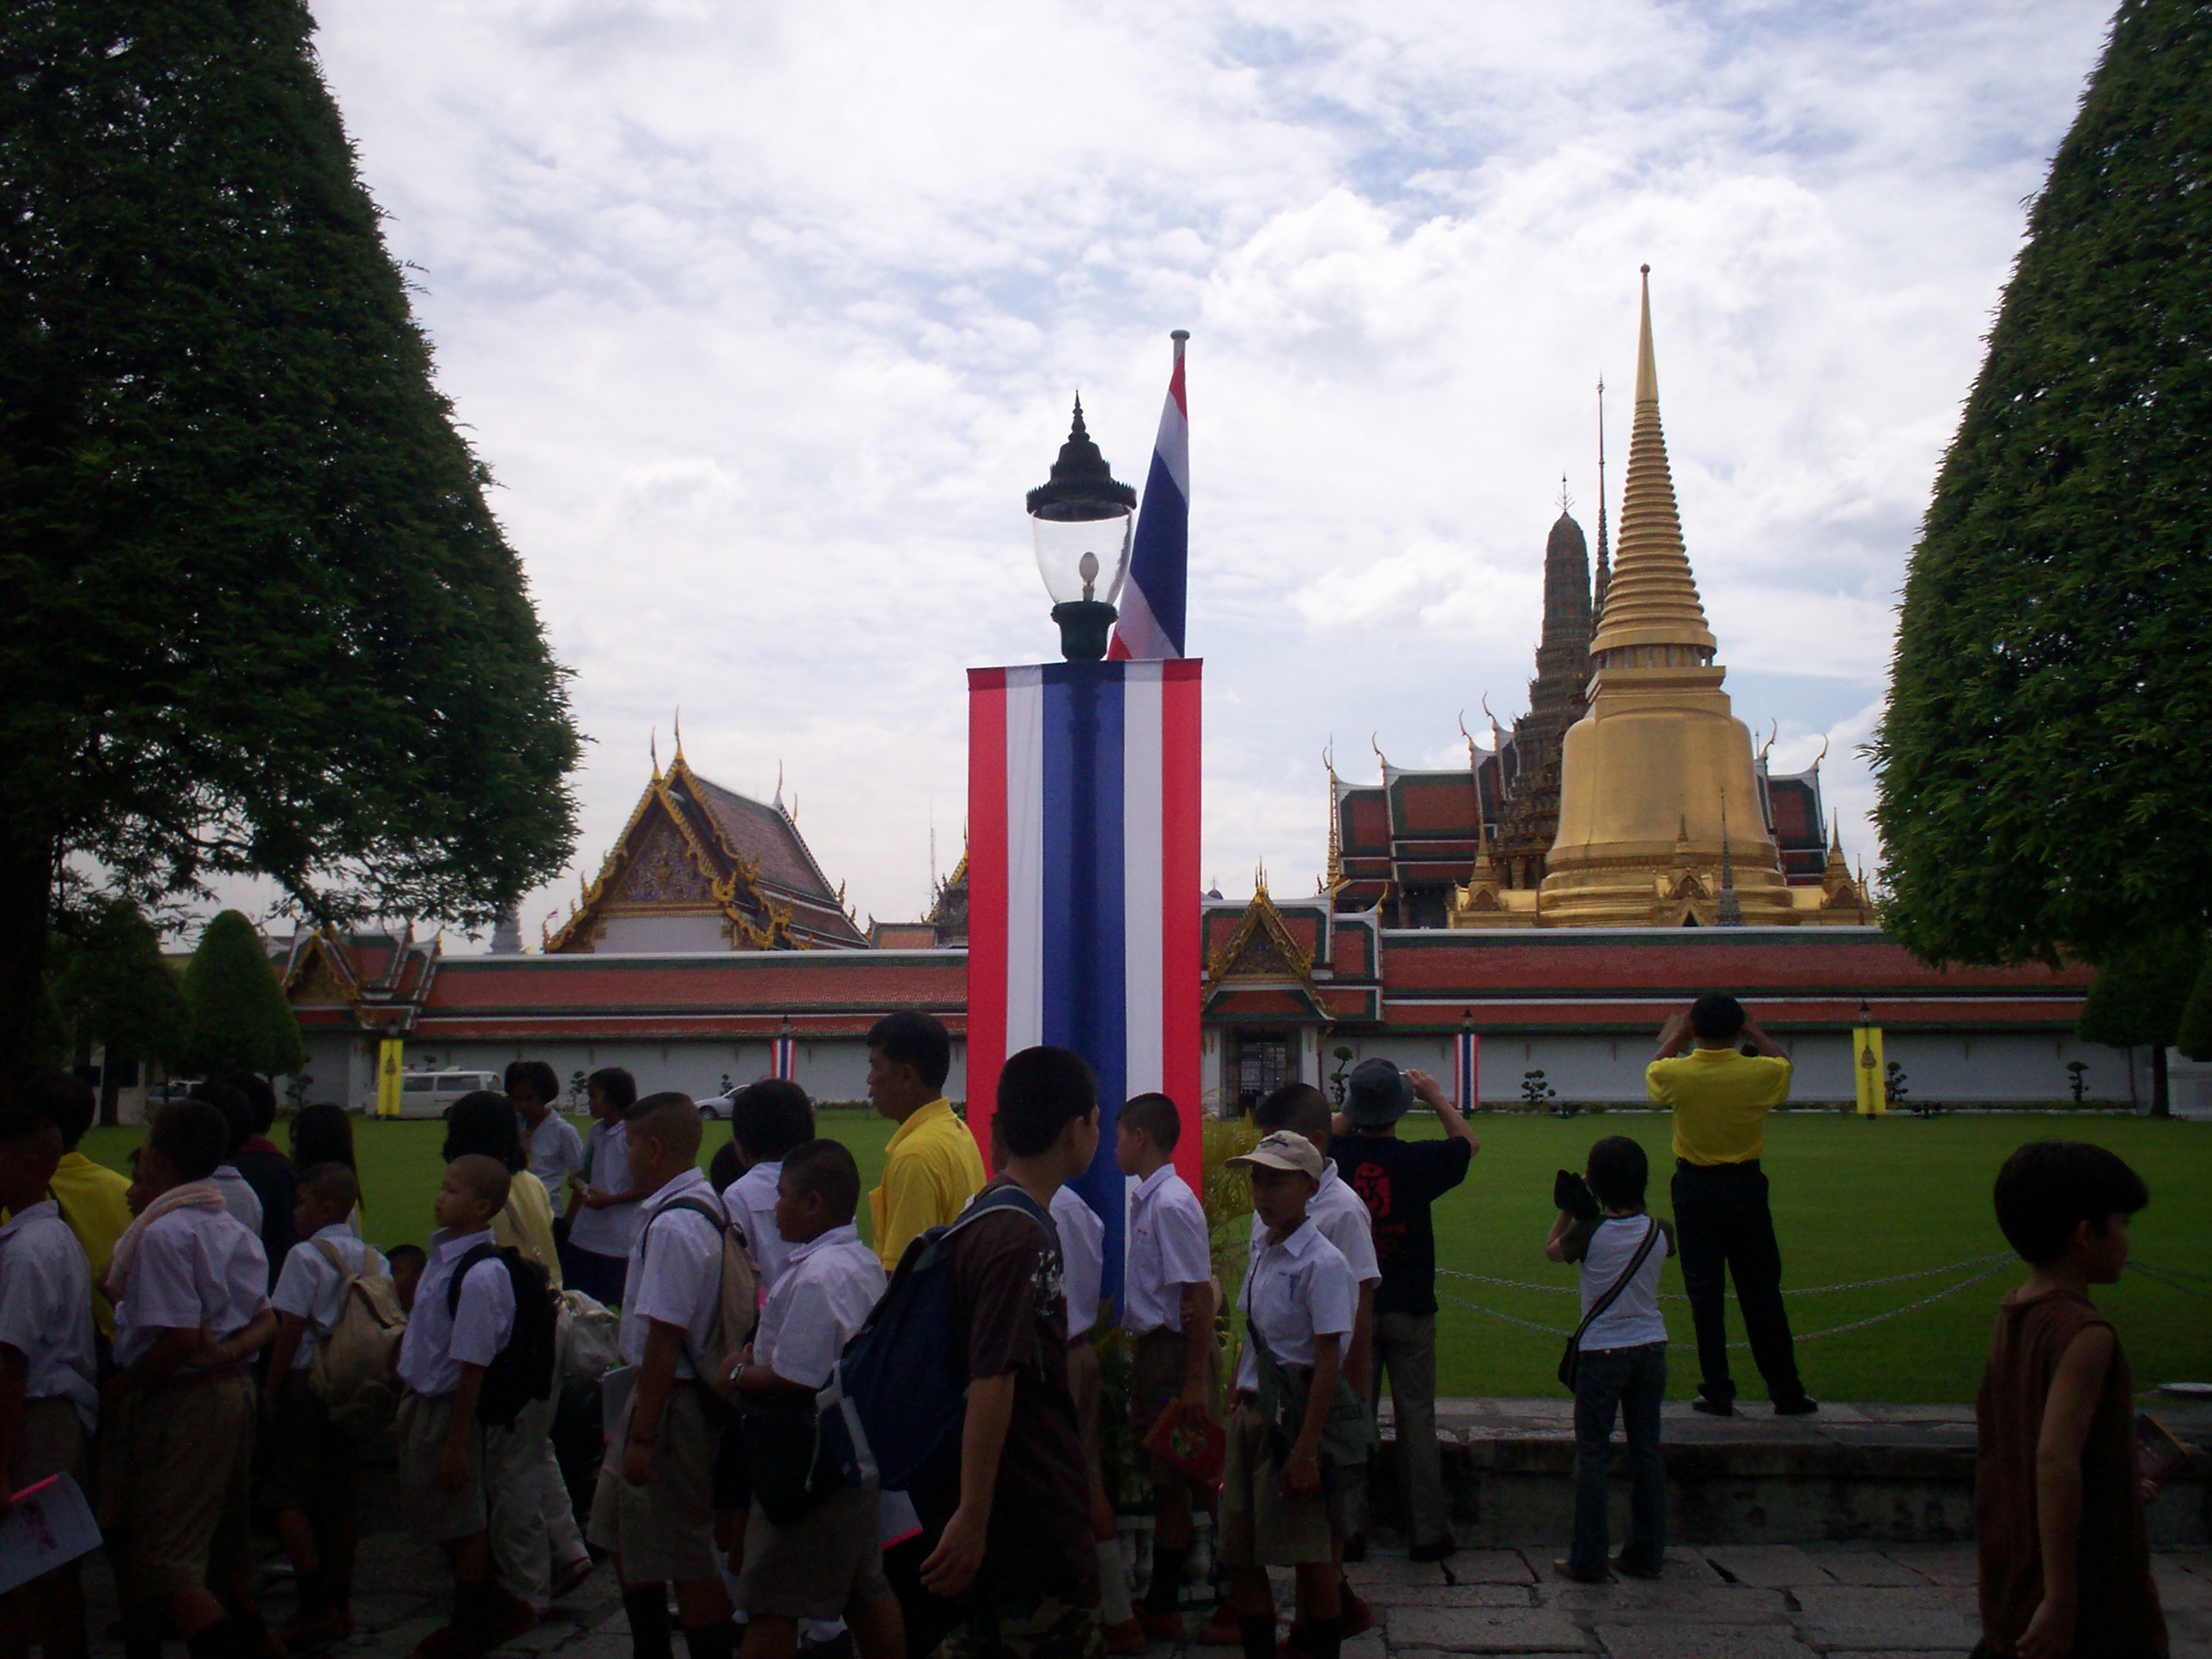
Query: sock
x=1168 y=1568
x=648 y=1622
x=1114 y=1583
x=715 y=1641
x=1259 y=1636
x=218 y=1641
x=1321 y=1638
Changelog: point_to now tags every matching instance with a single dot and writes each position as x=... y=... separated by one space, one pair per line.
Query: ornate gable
x=665 y=867
x=1263 y=953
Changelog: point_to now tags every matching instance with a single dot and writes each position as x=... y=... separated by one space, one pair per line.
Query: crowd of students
x=195 y=1327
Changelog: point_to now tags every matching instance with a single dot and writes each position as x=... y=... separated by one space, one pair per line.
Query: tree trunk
x=2160 y=1105
x=26 y=873
x=111 y=1085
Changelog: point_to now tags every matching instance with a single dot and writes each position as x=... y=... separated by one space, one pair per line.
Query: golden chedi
x=1659 y=820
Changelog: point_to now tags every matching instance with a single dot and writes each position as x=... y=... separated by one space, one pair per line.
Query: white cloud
x=766 y=317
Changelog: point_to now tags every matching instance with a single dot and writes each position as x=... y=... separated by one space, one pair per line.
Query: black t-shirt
x=1398 y=1180
x=1008 y=1296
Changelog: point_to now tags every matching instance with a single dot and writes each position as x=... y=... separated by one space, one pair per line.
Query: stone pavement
x=1772 y=1601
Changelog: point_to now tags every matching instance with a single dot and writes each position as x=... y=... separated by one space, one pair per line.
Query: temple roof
x=1651 y=597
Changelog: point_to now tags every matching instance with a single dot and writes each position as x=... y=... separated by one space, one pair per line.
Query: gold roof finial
x=1379 y=755
x=680 y=732
x=1650 y=598
x=1335 y=843
x=653 y=747
x=1260 y=879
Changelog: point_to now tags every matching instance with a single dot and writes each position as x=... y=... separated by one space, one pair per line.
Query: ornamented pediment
x=663 y=869
x=1261 y=948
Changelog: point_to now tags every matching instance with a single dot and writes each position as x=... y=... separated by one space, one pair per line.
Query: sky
x=765 y=318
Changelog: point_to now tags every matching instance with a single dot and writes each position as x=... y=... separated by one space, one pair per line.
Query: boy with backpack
x=1083 y=1261
x=191 y=1289
x=1282 y=1484
x=827 y=1563
x=1167 y=1308
x=1016 y=1546
x=767 y=1119
x=1618 y=1354
x=654 y=1505
x=48 y=1400
x=310 y=1478
x=469 y=1312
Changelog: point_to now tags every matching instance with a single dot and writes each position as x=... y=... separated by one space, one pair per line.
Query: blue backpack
x=896 y=1401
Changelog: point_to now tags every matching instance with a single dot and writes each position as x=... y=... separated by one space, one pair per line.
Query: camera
x=1571 y=1193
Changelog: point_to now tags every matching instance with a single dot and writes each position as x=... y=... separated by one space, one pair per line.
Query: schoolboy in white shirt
x=1167 y=1308
x=767 y=1119
x=443 y=1448
x=828 y=1563
x=1299 y=1298
x=1083 y=1269
x=49 y=1403
x=191 y=1289
x=654 y=1506
x=309 y=1478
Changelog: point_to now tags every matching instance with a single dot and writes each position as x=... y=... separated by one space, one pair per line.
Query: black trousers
x=1725 y=1227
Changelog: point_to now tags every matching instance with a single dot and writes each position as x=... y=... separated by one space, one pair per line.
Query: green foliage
x=118 y=993
x=1534 y=1090
x=2046 y=784
x=258 y=614
x=2136 y=999
x=2192 y=1032
x=241 y=1021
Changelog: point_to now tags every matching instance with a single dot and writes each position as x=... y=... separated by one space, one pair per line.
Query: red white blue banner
x=1467 y=1070
x=1083 y=884
x=784 y=1062
x=1152 y=600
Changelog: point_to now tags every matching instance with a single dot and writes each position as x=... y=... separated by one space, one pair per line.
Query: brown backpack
x=356 y=1375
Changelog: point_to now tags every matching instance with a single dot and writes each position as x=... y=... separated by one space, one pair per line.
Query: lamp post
x=1080 y=519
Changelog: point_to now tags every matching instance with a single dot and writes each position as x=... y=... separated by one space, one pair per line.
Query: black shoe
x=1802 y=1406
x=1713 y=1408
x=1628 y=1568
x=1437 y=1549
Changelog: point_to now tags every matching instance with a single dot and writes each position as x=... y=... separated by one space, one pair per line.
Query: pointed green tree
x=241 y=1021
x=2045 y=762
x=2137 y=999
x=255 y=614
x=120 y=996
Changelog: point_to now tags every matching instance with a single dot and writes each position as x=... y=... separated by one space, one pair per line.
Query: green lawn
x=1853 y=1200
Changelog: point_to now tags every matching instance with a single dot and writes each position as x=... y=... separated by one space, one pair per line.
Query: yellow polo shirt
x=1720 y=1099
x=93 y=1202
x=931 y=1169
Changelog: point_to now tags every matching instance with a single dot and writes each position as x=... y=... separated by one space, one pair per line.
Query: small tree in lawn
x=241 y=1021
x=120 y=996
x=2045 y=785
x=2138 y=997
x=2077 y=1079
x=1534 y=1090
x=256 y=615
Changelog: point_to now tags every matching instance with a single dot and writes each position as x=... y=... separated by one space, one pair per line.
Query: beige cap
x=1281 y=1151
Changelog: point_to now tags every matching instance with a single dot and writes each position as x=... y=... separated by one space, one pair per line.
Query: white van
x=428 y=1094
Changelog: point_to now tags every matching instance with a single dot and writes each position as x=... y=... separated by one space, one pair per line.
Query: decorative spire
x=1730 y=911
x=1651 y=599
x=679 y=732
x=778 y=802
x=1335 y=843
x=1604 y=571
x=653 y=747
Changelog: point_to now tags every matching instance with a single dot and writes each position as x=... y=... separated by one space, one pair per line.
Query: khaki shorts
x=826 y=1565
x=1260 y=1527
x=438 y=1514
x=1083 y=1383
x=1157 y=1361
x=49 y=1441
x=174 y=1471
x=664 y=1533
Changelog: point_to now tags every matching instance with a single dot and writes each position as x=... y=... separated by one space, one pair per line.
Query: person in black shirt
x=1398 y=1180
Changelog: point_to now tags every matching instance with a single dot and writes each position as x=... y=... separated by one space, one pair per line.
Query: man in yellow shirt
x=931 y=1168
x=92 y=1197
x=1720 y=1098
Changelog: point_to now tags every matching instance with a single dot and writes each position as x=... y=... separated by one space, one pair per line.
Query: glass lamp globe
x=1080 y=519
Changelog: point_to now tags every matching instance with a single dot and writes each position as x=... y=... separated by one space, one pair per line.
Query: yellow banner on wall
x=389 y=1054
x=1866 y=1066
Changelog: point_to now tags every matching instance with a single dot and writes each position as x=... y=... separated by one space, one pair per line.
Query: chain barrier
x=1809 y=1289
x=2172 y=1278
x=1989 y=1264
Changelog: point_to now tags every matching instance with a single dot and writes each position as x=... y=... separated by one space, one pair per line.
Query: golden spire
x=1335 y=844
x=1651 y=599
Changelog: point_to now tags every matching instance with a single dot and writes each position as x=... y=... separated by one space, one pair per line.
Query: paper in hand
x=49 y=1526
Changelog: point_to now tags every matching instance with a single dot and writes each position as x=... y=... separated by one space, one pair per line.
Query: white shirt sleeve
x=1331 y=1296
x=485 y=1319
x=682 y=1258
x=29 y=1301
x=1354 y=1238
x=164 y=1291
x=806 y=1345
x=299 y=1286
x=1186 y=1250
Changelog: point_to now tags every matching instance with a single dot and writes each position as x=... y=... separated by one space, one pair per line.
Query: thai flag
x=1083 y=914
x=1467 y=1057
x=1151 y=624
x=784 y=1066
